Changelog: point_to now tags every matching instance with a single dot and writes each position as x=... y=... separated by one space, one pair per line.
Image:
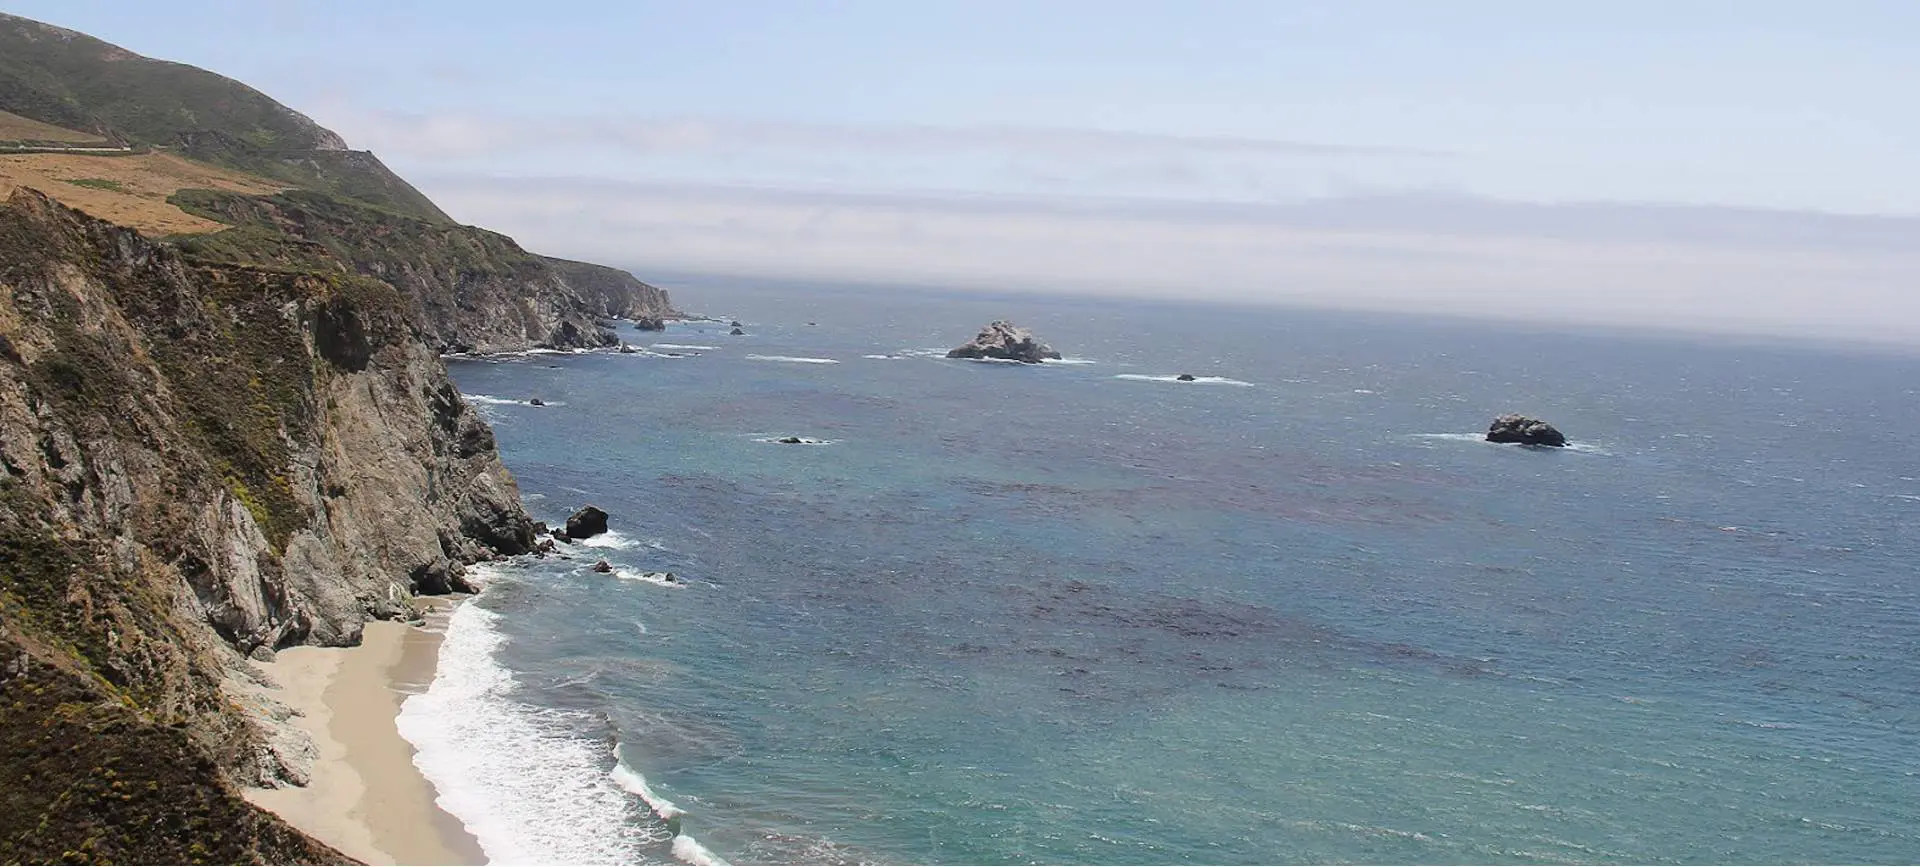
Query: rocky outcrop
x=1524 y=431
x=202 y=460
x=474 y=290
x=587 y=523
x=616 y=293
x=1004 y=340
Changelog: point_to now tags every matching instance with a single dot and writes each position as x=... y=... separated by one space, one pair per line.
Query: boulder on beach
x=1004 y=340
x=586 y=523
x=1526 y=431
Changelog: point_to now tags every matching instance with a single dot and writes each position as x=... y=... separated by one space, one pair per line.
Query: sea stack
x=1004 y=340
x=586 y=523
x=1525 y=431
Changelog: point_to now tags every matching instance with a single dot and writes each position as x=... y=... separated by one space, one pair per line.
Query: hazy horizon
x=1741 y=168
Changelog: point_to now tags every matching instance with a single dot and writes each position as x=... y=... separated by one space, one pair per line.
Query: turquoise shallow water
x=1080 y=614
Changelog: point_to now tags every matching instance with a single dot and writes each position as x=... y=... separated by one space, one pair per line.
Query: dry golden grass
x=129 y=190
x=16 y=128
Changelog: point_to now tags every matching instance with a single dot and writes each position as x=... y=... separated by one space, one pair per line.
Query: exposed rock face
x=1525 y=431
x=474 y=290
x=586 y=523
x=613 y=292
x=202 y=460
x=1004 y=340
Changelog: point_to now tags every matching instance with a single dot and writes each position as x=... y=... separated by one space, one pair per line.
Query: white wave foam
x=1582 y=448
x=792 y=359
x=682 y=346
x=520 y=778
x=1071 y=361
x=657 y=579
x=885 y=357
x=685 y=847
x=632 y=781
x=1198 y=380
x=610 y=539
x=689 y=850
x=490 y=400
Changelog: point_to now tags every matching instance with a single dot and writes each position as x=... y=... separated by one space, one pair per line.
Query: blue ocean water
x=1294 y=612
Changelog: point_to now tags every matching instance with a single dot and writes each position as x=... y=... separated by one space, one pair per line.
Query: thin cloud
x=474 y=134
x=1484 y=259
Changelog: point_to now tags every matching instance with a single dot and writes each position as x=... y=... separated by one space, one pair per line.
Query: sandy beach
x=366 y=798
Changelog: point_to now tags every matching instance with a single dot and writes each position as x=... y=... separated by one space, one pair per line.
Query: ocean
x=1295 y=611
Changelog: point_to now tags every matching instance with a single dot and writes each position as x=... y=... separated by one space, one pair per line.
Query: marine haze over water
x=1079 y=613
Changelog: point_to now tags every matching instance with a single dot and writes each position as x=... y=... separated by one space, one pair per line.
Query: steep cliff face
x=275 y=454
x=613 y=292
x=476 y=291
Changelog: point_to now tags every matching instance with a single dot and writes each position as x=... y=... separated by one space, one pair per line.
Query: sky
x=1729 y=166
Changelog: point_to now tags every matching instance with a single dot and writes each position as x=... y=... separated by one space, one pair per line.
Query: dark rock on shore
x=1524 y=431
x=1004 y=340
x=590 y=521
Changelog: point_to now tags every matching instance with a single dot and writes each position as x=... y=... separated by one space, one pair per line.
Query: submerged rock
x=1526 y=431
x=590 y=521
x=1004 y=340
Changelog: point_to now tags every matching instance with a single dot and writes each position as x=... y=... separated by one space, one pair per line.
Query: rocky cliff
x=203 y=458
x=475 y=290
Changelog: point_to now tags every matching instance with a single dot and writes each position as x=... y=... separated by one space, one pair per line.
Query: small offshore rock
x=1524 y=430
x=544 y=547
x=603 y=567
x=792 y=441
x=590 y=521
x=735 y=323
x=650 y=323
x=536 y=402
x=736 y=332
x=627 y=348
x=1004 y=340
x=1185 y=377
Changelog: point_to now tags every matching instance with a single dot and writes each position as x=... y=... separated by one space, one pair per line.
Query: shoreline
x=365 y=796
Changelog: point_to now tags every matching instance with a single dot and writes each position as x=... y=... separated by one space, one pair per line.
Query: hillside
x=215 y=157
